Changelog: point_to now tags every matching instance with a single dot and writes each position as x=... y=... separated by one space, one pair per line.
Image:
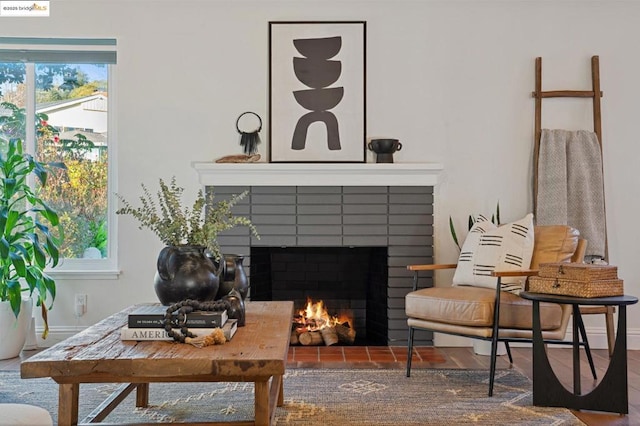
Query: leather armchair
x=491 y=314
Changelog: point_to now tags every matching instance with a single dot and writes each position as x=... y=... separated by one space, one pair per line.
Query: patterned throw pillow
x=487 y=248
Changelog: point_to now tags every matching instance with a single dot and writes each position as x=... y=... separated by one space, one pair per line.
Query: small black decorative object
x=384 y=149
x=234 y=276
x=236 y=309
x=249 y=139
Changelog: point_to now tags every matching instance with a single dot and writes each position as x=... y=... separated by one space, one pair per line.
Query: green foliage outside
x=79 y=192
x=74 y=82
x=81 y=197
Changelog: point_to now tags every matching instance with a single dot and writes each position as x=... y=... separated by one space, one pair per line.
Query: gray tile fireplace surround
x=397 y=217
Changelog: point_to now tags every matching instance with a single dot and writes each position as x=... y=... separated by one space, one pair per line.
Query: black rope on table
x=184 y=308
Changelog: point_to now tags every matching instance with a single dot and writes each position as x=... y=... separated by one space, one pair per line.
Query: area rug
x=322 y=397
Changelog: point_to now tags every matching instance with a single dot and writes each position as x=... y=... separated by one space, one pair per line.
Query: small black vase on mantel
x=185 y=272
x=384 y=149
x=234 y=276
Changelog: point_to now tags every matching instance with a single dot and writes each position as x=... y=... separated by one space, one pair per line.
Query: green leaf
x=19 y=247
x=453 y=233
x=9 y=187
x=49 y=214
x=14 y=145
x=39 y=256
x=4 y=248
x=3 y=220
x=39 y=171
x=50 y=286
x=32 y=277
x=18 y=264
x=15 y=296
x=58 y=165
x=52 y=249
x=12 y=220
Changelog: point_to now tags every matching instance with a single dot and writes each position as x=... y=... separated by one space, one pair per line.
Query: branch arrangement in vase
x=176 y=224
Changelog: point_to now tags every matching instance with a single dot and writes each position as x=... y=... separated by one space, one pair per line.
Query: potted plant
x=495 y=219
x=191 y=264
x=480 y=347
x=27 y=243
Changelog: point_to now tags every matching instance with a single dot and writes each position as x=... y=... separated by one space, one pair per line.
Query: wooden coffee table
x=257 y=353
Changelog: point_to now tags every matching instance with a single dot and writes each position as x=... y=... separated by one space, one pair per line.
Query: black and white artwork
x=317 y=91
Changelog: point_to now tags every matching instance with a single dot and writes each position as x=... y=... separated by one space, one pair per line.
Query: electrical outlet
x=80 y=304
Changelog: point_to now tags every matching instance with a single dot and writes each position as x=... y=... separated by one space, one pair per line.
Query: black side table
x=611 y=393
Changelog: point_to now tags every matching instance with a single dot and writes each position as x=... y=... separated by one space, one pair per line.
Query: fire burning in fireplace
x=313 y=325
x=315 y=317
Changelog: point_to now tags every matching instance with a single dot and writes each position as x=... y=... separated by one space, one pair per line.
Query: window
x=56 y=96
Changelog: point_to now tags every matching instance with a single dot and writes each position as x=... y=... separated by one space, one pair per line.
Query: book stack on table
x=146 y=322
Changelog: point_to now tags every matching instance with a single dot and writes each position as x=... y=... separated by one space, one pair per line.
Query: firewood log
x=310 y=338
x=329 y=336
x=345 y=334
x=294 y=338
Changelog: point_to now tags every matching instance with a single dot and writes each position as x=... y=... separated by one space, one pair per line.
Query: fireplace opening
x=351 y=282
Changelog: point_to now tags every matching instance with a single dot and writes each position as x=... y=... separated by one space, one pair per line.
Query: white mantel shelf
x=317 y=174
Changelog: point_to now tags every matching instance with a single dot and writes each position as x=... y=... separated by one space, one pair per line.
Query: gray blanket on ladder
x=571 y=186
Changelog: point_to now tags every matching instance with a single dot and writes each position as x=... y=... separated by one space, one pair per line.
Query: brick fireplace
x=302 y=207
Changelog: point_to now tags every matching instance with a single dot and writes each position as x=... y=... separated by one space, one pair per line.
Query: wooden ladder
x=595 y=94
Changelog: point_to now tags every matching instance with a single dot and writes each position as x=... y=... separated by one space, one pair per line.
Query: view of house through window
x=69 y=112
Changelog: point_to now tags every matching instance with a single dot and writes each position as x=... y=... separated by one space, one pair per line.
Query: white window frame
x=68 y=268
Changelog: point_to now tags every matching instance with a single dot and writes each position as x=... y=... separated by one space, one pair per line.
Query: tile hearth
x=361 y=357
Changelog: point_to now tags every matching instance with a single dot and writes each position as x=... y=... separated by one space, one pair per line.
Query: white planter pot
x=483 y=347
x=13 y=332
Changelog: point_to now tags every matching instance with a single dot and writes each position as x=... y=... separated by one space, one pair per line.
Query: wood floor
x=427 y=357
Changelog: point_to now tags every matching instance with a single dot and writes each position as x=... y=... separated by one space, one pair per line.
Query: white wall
x=451 y=79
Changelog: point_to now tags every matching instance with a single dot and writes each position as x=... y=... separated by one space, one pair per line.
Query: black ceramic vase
x=185 y=272
x=384 y=149
x=234 y=276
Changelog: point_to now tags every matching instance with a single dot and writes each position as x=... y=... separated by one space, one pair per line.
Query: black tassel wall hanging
x=249 y=134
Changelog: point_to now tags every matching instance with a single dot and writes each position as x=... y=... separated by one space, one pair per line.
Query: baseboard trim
x=56 y=334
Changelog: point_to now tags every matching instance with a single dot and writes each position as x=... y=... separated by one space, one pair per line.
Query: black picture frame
x=317 y=91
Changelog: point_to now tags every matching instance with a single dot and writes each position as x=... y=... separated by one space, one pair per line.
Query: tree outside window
x=70 y=127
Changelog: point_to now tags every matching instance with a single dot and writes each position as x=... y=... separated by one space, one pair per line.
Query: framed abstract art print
x=317 y=91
